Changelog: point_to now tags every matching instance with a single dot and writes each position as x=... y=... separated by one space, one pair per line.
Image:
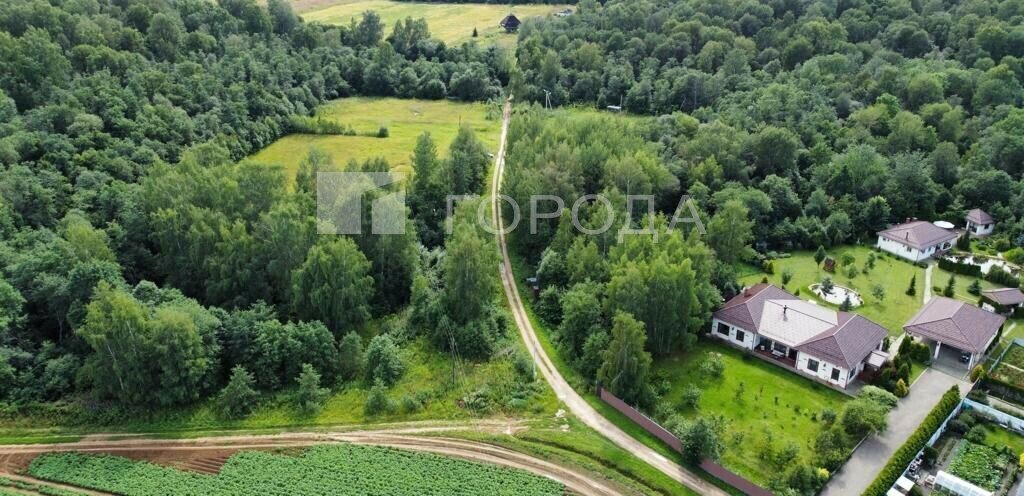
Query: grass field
x=765 y=407
x=891 y=273
x=448 y=22
x=341 y=469
x=406 y=120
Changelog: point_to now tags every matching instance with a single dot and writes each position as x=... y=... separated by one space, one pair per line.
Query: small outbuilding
x=979 y=222
x=510 y=23
x=916 y=240
x=957 y=325
x=1003 y=300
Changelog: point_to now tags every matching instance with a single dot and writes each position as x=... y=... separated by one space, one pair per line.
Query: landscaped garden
x=328 y=470
x=883 y=285
x=405 y=120
x=771 y=415
x=975 y=448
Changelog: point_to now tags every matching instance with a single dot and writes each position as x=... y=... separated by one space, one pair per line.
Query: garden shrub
x=964 y=269
x=713 y=366
x=906 y=453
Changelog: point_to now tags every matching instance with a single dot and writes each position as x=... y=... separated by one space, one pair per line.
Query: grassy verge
x=576 y=445
x=428 y=376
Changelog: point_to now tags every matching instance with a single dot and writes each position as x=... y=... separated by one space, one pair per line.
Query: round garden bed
x=838 y=295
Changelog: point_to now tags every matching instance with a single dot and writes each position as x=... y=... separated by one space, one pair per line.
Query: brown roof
x=918 y=234
x=1005 y=296
x=956 y=323
x=848 y=343
x=979 y=216
x=745 y=309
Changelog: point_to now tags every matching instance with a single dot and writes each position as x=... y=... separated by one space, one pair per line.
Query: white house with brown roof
x=956 y=324
x=916 y=240
x=833 y=347
x=979 y=222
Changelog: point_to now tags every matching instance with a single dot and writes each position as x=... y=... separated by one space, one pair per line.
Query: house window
x=740 y=336
x=723 y=329
x=909 y=248
x=835 y=374
x=812 y=365
x=779 y=347
x=850 y=377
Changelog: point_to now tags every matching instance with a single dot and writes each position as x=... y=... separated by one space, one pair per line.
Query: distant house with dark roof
x=916 y=240
x=510 y=23
x=1002 y=300
x=956 y=324
x=979 y=222
x=833 y=347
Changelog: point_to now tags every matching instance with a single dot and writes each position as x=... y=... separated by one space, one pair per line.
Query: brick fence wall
x=721 y=473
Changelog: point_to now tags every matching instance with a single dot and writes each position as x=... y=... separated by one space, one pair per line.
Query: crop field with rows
x=322 y=470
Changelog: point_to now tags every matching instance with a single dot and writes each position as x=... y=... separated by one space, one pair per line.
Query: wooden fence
x=721 y=473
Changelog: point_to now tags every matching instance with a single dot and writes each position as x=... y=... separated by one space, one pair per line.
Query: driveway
x=860 y=471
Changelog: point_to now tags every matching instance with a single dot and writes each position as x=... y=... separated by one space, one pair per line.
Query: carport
x=953 y=325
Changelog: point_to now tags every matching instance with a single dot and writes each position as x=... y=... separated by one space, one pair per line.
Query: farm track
x=575 y=403
x=207 y=455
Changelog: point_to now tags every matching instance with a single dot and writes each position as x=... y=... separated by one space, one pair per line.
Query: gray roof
x=1005 y=296
x=918 y=234
x=745 y=309
x=956 y=323
x=841 y=338
x=979 y=216
x=847 y=344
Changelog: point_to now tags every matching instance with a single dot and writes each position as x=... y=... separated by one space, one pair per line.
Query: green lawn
x=941 y=277
x=997 y=437
x=891 y=273
x=406 y=120
x=765 y=407
x=449 y=22
x=428 y=376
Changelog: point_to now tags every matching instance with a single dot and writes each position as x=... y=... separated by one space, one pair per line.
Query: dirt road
x=576 y=404
x=209 y=453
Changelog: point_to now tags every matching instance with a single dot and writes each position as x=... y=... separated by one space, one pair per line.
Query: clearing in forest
x=448 y=22
x=405 y=120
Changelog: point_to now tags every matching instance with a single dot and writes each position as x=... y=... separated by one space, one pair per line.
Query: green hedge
x=906 y=453
x=960 y=268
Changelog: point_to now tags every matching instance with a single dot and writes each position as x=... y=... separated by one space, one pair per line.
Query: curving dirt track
x=576 y=404
x=206 y=455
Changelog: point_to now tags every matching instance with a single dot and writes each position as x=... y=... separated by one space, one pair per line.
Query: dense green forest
x=827 y=120
x=142 y=264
